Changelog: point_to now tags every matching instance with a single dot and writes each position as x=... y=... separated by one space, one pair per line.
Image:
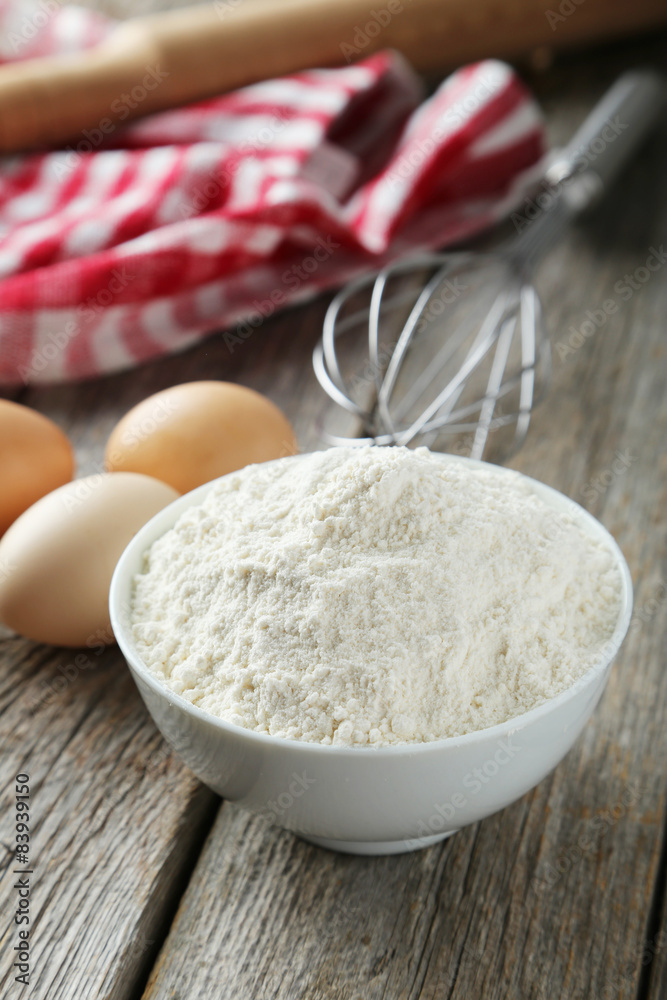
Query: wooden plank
x=557 y=895
x=113 y=819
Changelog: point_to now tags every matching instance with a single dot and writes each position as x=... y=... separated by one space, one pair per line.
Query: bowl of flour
x=371 y=647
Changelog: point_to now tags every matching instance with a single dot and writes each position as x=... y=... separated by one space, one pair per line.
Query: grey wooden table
x=146 y=885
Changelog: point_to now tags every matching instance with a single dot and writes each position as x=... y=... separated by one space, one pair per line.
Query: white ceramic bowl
x=367 y=800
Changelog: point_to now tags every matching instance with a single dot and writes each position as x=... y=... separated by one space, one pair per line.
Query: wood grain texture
x=559 y=896
x=114 y=819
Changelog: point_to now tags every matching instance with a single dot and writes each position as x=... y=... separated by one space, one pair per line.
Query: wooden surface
x=146 y=885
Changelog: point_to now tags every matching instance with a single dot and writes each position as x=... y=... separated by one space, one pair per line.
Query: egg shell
x=192 y=433
x=59 y=556
x=35 y=458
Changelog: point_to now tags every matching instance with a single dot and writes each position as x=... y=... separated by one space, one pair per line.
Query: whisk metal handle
x=588 y=165
x=610 y=135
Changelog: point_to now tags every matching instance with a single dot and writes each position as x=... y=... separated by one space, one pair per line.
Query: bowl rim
x=164 y=520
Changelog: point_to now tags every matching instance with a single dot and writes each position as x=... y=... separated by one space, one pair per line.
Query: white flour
x=372 y=596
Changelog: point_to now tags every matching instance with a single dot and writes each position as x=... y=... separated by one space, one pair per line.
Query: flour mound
x=373 y=596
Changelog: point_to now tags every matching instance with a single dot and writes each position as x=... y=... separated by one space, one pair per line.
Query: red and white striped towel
x=137 y=239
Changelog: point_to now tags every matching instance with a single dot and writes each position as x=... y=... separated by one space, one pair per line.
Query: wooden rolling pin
x=165 y=60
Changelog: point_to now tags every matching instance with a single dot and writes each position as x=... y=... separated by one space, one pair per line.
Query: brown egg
x=195 y=432
x=58 y=557
x=35 y=458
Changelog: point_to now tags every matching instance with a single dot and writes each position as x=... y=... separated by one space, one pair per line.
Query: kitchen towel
x=136 y=240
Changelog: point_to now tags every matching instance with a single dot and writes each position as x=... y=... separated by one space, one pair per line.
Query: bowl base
x=378 y=847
